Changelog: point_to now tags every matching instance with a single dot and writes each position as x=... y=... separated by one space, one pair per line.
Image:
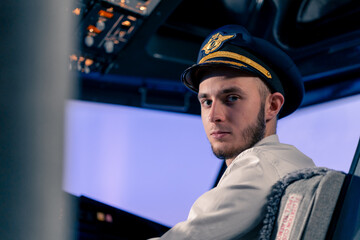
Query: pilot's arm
x=235 y=208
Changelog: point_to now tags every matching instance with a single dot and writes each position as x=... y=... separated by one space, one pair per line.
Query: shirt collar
x=269 y=139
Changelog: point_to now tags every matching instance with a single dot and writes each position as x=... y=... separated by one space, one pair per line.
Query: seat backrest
x=301 y=205
x=346 y=219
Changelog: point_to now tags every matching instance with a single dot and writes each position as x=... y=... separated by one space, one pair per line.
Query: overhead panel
x=104 y=29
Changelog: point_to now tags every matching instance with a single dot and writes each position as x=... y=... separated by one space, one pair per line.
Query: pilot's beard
x=251 y=135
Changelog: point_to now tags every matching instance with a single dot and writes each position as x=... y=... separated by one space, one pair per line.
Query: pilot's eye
x=206 y=102
x=232 y=98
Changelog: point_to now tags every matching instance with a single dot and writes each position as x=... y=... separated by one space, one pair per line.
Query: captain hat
x=233 y=46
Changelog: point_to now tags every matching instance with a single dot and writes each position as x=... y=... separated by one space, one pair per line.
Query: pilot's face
x=232 y=112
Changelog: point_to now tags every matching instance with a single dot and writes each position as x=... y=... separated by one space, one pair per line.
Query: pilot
x=244 y=85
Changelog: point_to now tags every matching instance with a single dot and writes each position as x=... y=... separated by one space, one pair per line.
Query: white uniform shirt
x=235 y=208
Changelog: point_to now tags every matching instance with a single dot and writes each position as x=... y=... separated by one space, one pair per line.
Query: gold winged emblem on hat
x=215 y=42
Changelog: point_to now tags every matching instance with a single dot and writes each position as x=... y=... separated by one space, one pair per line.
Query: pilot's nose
x=216 y=113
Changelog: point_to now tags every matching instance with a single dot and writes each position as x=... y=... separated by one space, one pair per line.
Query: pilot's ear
x=273 y=105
